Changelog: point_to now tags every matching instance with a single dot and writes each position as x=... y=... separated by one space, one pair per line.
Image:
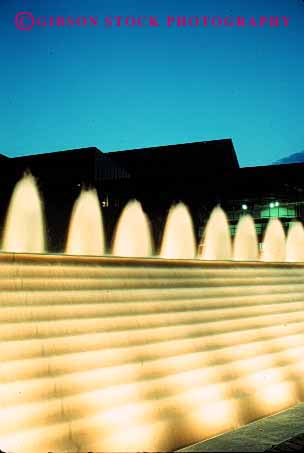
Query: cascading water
x=124 y=353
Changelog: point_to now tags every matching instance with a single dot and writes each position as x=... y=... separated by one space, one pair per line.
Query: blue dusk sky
x=116 y=88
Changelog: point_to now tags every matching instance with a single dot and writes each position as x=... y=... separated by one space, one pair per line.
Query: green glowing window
x=259 y=228
x=232 y=230
x=278 y=212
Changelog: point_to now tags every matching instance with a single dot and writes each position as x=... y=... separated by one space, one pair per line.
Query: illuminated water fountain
x=295 y=243
x=274 y=242
x=178 y=238
x=133 y=234
x=86 y=235
x=217 y=240
x=245 y=246
x=24 y=227
x=147 y=354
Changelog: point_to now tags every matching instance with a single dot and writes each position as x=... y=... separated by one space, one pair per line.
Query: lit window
x=105 y=202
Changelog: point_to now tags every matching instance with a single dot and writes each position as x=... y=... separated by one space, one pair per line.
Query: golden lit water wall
x=117 y=354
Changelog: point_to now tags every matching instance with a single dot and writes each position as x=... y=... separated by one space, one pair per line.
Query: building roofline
x=88 y=148
x=146 y=148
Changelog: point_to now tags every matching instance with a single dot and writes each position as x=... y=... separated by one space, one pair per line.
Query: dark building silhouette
x=200 y=174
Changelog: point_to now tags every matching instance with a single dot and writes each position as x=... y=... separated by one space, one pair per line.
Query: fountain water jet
x=295 y=243
x=86 y=235
x=217 y=239
x=24 y=229
x=245 y=246
x=178 y=239
x=133 y=235
x=274 y=244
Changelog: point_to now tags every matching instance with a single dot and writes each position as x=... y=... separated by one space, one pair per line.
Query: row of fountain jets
x=24 y=232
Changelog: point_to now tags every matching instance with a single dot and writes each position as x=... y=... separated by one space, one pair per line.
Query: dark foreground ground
x=295 y=444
